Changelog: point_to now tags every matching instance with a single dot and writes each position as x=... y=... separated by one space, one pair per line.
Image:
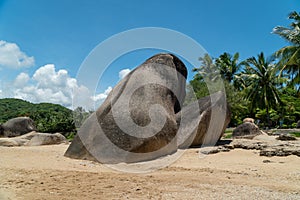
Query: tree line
x=48 y=117
x=265 y=88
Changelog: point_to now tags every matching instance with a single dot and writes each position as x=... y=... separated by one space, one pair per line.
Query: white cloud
x=102 y=96
x=49 y=85
x=123 y=73
x=21 y=80
x=12 y=57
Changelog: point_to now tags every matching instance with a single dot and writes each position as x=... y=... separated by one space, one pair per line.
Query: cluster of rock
x=141 y=119
x=267 y=146
x=21 y=131
x=248 y=136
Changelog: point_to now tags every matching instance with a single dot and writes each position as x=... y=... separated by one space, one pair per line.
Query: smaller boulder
x=12 y=142
x=33 y=139
x=17 y=126
x=250 y=120
x=246 y=130
x=46 y=139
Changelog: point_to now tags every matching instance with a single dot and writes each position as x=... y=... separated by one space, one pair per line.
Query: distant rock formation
x=137 y=120
x=17 y=126
x=33 y=139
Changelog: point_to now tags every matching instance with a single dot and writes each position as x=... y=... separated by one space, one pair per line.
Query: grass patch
x=295 y=134
x=227 y=135
x=228 y=131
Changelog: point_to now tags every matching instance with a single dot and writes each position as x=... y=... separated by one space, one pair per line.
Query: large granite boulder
x=17 y=126
x=33 y=139
x=246 y=130
x=209 y=121
x=137 y=120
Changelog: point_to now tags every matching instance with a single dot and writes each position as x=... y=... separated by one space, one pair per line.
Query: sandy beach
x=42 y=172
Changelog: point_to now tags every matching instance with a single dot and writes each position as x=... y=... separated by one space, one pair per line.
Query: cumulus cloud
x=123 y=73
x=55 y=86
x=12 y=57
x=47 y=86
x=21 y=80
x=102 y=96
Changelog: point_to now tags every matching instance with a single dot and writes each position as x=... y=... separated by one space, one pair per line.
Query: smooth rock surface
x=267 y=146
x=33 y=139
x=137 y=120
x=17 y=126
x=209 y=116
x=246 y=130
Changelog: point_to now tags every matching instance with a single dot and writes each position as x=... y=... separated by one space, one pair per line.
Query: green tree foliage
x=239 y=106
x=48 y=117
x=229 y=66
x=207 y=78
x=212 y=73
x=290 y=111
x=289 y=56
x=260 y=79
x=80 y=115
x=253 y=89
x=208 y=70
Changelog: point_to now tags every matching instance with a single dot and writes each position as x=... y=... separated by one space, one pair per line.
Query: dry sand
x=42 y=172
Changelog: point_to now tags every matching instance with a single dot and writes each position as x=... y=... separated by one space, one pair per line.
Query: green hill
x=48 y=117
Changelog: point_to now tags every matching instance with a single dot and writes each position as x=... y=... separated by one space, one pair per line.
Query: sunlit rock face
x=137 y=121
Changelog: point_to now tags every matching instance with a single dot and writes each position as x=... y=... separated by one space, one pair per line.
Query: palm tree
x=260 y=82
x=289 y=56
x=207 y=71
x=207 y=79
x=229 y=66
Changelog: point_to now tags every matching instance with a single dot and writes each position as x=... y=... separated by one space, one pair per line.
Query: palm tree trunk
x=268 y=117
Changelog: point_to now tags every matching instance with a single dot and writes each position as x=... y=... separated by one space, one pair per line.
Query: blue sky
x=63 y=32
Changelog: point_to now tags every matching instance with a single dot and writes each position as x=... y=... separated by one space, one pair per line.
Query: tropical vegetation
x=264 y=88
x=48 y=117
